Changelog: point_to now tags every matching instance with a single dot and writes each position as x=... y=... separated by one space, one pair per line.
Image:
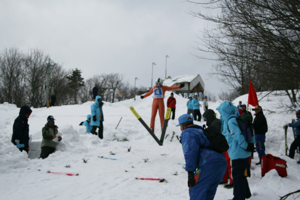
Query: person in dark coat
x=171 y=103
x=260 y=127
x=95 y=91
x=53 y=100
x=20 y=136
x=215 y=125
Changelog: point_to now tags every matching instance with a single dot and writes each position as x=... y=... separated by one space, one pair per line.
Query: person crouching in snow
x=205 y=166
x=87 y=124
x=49 y=142
x=158 y=101
x=20 y=136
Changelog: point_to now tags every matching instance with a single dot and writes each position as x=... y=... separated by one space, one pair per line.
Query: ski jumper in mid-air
x=158 y=101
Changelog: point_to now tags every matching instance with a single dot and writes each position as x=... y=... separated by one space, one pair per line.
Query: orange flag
x=252 y=97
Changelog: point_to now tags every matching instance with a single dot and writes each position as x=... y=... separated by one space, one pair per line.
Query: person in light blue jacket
x=205 y=166
x=239 y=150
x=190 y=105
x=87 y=124
x=196 y=108
x=97 y=117
x=296 y=142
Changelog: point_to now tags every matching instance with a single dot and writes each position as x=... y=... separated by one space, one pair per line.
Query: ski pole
x=118 y=123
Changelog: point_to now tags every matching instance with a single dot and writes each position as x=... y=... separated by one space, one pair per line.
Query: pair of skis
x=162 y=137
x=294 y=133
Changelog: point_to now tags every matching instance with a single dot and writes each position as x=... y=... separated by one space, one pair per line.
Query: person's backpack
x=245 y=124
x=217 y=140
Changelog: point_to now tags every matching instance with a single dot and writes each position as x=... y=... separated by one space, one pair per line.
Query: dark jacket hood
x=210 y=116
x=24 y=111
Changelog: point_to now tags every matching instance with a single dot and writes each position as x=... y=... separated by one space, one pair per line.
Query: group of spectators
x=51 y=136
x=20 y=136
x=208 y=168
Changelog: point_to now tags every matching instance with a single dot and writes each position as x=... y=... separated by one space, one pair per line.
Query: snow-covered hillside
x=134 y=153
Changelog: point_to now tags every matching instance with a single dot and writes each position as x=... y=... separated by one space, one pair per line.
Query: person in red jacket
x=171 y=103
x=158 y=100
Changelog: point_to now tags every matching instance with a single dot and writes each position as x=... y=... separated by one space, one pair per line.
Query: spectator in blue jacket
x=20 y=136
x=239 y=150
x=205 y=167
x=97 y=117
x=296 y=142
x=196 y=108
x=189 y=105
x=87 y=124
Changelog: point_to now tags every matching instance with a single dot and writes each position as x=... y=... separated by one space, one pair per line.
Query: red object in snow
x=151 y=179
x=252 y=97
x=64 y=173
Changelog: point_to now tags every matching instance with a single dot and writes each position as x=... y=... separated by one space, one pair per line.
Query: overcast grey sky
x=110 y=36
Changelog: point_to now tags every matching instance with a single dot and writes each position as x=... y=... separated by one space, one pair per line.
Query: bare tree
x=12 y=74
x=35 y=63
x=114 y=80
x=58 y=85
x=269 y=29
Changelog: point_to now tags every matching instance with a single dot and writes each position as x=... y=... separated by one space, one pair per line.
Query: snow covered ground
x=135 y=154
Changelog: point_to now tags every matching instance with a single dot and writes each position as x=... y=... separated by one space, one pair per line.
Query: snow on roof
x=184 y=79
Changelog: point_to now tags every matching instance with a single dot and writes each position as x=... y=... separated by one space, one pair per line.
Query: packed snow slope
x=134 y=153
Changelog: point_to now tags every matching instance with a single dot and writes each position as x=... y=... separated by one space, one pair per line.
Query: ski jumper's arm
x=148 y=93
x=167 y=88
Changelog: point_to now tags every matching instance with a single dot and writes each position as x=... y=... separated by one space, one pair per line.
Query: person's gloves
x=19 y=145
x=191 y=180
x=80 y=123
x=59 y=138
x=142 y=97
x=203 y=126
x=94 y=118
x=181 y=85
x=285 y=126
x=250 y=147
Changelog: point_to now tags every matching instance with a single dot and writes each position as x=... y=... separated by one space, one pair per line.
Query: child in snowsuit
x=205 y=166
x=20 y=136
x=87 y=124
x=158 y=101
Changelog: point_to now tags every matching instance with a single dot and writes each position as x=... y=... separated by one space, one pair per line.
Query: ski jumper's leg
x=153 y=114
x=161 y=107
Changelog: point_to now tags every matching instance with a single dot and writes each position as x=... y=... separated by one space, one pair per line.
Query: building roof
x=193 y=83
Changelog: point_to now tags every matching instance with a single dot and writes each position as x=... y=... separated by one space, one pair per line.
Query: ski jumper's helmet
x=159 y=82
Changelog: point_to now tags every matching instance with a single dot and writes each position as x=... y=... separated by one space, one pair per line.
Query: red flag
x=252 y=97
